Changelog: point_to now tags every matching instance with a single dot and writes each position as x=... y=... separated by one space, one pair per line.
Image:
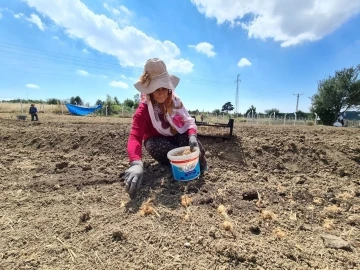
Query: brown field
x=272 y=196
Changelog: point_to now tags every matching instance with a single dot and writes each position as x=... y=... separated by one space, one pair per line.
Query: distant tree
x=99 y=102
x=137 y=98
x=116 y=101
x=251 y=108
x=216 y=111
x=301 y=114
x=336 y=94
x=136 y=101
x=112 y=106
x=129 y=103
x=271 y=111
x=191 y=112
x=53 y=101
x=227 y=107
x=76 y=100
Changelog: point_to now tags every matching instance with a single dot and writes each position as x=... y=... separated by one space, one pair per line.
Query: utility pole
x=297 y=101
x=237 y=94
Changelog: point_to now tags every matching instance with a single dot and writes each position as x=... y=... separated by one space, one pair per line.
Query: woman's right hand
x=134 y=176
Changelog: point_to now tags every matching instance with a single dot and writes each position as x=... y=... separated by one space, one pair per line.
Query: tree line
x=228 y=107
x=336 y=94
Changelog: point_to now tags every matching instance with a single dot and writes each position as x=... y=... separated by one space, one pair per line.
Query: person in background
x=341 y=119
x=202 y=118
x=161 y=121
x=33 y=112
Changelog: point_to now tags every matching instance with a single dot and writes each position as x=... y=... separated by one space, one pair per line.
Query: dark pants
x=158 y=147
x=34 y=115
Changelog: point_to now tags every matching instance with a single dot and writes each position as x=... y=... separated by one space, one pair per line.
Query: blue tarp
x=80 y=110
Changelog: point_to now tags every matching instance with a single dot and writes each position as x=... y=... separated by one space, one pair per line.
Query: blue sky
x=63 y=48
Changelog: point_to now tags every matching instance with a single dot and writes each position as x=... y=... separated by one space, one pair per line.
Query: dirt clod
x=332 y=241
x=85 y=217
x=88 y=227
x=118 y=236
x=62 y=165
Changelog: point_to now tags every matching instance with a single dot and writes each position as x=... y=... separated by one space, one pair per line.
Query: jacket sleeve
x=191 y=131
x=138 y=128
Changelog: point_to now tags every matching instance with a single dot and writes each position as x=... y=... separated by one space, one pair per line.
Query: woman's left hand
x=193 y=142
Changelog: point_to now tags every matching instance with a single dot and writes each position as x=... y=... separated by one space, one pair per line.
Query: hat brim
x=169 y=82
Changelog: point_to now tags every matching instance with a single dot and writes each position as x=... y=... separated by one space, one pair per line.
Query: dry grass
x=333 y=209
x=266 y=214
x=329 y=224
x=318 y=201
x=279 y=233
x=67 y=118
x=16 y=108
x=345 y=196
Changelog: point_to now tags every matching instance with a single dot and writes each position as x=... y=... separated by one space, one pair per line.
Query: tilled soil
x=285 y=189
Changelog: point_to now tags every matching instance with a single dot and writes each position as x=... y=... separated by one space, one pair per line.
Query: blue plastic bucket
x=184 y=167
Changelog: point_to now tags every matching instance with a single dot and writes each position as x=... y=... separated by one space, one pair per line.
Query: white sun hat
x=156 y=76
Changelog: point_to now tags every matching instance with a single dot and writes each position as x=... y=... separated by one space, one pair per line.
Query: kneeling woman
x=161 y=121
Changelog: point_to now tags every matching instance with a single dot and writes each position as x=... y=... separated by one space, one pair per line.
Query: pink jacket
x=141 y=130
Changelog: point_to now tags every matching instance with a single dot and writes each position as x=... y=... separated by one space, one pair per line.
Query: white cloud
x=128 y=78
x=55 y=37
x=85 y=51
x=131 y=46
x=121 y=13
x=82 y=72
x=19 y=15
x=288 y=22
x=119 y=84
x=35 y=19
x=205 y=48
x=113 y=10
x=117 y=11
x=125 y=10
x=30 y=85
x=0 y=15
x=244 y=62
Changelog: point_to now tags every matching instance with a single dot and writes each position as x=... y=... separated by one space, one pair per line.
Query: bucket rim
x=172 y=157
x=183 y=161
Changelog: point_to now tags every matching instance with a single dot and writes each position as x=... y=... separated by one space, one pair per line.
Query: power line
x=86 y=65
x=297 y=101
x=20 y=53
x=64 y=57
x=237 y=94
